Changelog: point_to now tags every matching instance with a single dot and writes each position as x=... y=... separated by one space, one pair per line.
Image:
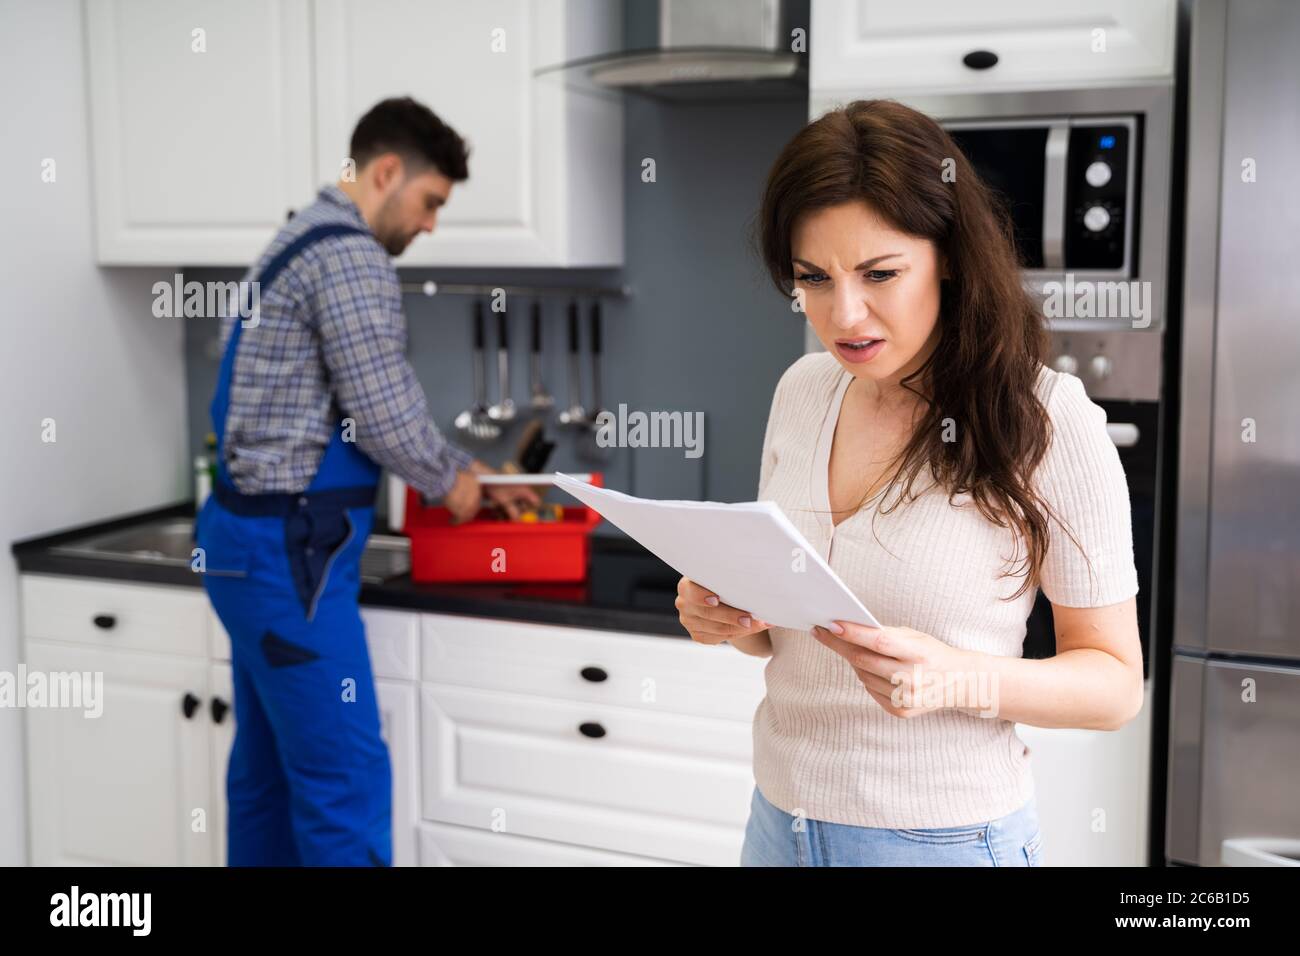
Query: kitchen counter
x=627 y=588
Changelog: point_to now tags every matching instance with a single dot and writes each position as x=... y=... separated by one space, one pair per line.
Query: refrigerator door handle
x=1260 y=851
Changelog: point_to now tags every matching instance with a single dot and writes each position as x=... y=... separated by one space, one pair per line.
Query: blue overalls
x=309 y=780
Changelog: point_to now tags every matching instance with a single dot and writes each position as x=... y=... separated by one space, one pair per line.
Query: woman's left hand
x=906 y=672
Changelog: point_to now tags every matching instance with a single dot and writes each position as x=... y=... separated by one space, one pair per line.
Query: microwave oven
x=1070 y=184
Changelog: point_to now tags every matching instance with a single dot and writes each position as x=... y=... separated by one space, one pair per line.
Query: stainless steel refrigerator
x=1234 y=733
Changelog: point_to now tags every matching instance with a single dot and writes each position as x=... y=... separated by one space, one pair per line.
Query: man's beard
x=394 y=242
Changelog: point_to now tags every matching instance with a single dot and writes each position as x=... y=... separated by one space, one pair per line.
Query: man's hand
x=510 y=497
x=466 y=495
x=464 y=498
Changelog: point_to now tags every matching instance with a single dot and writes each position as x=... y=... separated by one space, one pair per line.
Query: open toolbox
x=491 y=547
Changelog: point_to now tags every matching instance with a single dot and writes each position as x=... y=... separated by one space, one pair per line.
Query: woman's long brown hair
x=993 y=340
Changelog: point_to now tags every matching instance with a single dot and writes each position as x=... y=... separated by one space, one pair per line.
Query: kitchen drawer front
x=444 y=845
x=654 y=784
x=394 y=641
x=652 y=673
x=393 y=638
x=167 y=620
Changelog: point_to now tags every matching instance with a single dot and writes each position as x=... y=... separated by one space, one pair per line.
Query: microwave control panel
x=1100 y=198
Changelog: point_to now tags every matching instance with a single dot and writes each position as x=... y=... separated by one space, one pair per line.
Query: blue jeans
x=773 y=839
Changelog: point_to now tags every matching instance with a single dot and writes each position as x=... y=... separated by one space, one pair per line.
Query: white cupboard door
x=130 y=786
x=544 y=185
x=201 y=117
x=221 y=713
x=872 y=46
x=398 y=709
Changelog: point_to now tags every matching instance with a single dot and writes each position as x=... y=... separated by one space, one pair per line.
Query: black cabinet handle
x=219 y=710
x=980 y=59
x=105 y=622
x=591 y=730
x=594 y=674
x=189 y=704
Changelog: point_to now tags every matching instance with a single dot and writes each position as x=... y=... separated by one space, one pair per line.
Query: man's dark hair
x=404 y=126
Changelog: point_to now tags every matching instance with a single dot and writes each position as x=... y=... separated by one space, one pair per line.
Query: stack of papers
x=749 y=554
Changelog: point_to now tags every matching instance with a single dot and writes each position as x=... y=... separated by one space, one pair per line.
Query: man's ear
x=385 y=171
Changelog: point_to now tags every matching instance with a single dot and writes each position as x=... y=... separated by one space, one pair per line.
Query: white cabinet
x=199 y=155
x=511 y=743
x=201 y=126
x=400 y=726
x=144 y=783
x=872 y=47
x=131 y=786
x=562 y=738
x=545 y=183
x=223 y=738
x=445 y=845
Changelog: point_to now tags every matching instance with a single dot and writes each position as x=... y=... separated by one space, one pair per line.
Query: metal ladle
x=504 y=409
x=474 y=421
x=575 y=415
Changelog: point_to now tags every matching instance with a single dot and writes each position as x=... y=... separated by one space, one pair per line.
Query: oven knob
x=1096 y=218
x=1097 y=174
x=1100 y=366
x=1067 y=364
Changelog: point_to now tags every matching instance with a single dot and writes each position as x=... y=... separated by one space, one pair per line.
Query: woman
x=933 y=459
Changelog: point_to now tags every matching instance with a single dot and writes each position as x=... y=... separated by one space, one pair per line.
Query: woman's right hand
x=708 y=620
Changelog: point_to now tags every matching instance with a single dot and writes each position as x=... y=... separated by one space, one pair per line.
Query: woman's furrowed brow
x=867 y=264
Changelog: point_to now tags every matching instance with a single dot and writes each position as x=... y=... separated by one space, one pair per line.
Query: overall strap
x=268 y=275
x=310 y=237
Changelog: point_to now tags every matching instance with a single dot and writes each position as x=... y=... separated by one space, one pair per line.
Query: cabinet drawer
x=655 y=784
x=626 y=670
x=112 y=614
x=444 y=845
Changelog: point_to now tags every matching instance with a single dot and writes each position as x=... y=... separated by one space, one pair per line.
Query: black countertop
x=627 y=588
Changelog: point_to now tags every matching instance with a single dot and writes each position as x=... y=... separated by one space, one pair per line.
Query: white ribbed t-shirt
x=822 y=745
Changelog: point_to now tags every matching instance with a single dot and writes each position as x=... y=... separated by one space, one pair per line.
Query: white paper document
x=749 y=554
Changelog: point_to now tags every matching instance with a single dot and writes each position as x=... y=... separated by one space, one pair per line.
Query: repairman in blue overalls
x=315 y=398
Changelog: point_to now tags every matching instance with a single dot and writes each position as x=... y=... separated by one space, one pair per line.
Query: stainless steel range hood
x=706 y=49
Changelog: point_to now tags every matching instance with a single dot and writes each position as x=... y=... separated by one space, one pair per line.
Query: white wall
x=80 y=344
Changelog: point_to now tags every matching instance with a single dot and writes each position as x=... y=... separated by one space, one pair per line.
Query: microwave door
x=1025 y=165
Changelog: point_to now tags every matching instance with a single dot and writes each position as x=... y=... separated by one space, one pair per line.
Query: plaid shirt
x=330 y=343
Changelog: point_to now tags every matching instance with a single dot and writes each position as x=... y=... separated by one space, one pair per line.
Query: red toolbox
x=488 y=548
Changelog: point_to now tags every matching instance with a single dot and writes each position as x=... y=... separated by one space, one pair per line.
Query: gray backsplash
x=702 y=331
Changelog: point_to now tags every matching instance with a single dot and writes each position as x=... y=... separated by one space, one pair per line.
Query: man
x=313 y=400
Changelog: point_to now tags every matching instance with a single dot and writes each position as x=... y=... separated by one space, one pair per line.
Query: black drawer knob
x=219 y=710
x=105 y=622
x=594 y=674
x=591 y=730
x=189 y=704
x=980 y=59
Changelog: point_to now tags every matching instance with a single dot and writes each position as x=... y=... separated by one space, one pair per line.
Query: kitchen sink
x=170 y=542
